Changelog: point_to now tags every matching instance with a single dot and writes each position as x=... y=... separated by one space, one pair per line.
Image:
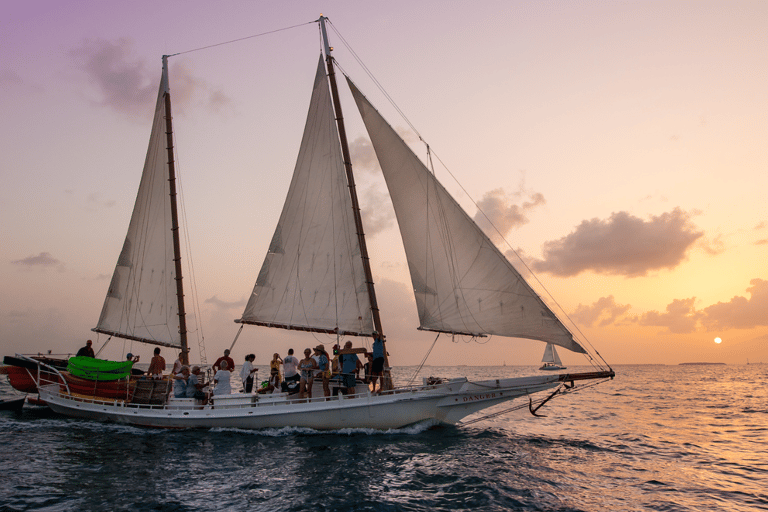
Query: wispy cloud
x=222 y=304
x=378 y=214
x=44 y=260
x=605 y=309
x=363 y=155
x=498 y=212
x=621 y=245
x=128 y=85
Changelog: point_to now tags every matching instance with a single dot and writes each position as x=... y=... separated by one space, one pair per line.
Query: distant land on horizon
x=700 y=364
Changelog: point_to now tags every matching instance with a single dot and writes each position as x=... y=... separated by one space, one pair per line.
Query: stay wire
x=240 y=39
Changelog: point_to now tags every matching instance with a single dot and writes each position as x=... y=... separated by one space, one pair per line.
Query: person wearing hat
x=324 y=368
x=134 y=359
x=87 y=350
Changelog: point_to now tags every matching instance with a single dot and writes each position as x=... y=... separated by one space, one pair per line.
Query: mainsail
x=312 y=277
x=550 y=355
x=461 y=281
x=141 y=302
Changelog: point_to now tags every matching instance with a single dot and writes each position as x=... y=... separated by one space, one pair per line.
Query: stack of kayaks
x=98 y=369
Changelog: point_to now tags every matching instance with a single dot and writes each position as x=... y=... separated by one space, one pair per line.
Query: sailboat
x=551 y=360
x=316 y=277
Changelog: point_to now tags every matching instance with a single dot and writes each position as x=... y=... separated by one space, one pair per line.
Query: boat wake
x=301 y=431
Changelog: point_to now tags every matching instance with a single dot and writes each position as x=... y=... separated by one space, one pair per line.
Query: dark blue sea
x=672 y=438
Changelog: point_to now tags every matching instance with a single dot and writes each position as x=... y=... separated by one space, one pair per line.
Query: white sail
x=550 y=355
x=141 y=302
x=461 y=281
x=312 y=277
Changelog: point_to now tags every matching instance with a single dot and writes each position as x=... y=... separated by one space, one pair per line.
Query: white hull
x=445 y=403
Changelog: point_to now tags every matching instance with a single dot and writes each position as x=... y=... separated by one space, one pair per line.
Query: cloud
x=498 y=214
x=712 y=247
x=95 y=198
x=128 y=85
x=44 y=259
x=681 y=317
x=378 y=214
x=622 y=245
x=604 y=308
x=762 y=242
x=740 y=312
x=222 y=304
x=363 y=155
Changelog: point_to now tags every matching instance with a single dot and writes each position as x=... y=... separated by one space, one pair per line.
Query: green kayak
x=98 y=369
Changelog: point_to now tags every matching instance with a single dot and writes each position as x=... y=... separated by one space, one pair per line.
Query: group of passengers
x=299 y=375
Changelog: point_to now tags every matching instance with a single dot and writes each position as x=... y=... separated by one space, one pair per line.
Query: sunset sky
x=620 y=147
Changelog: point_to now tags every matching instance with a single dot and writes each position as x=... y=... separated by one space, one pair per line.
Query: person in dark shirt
x=87 y=350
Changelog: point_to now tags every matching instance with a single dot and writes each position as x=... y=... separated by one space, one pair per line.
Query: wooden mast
x=351 y=184
x=175 y=218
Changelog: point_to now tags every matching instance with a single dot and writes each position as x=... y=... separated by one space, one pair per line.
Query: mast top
x=326 y=46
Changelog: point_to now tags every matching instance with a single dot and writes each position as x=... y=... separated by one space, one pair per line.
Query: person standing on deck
x=307 y=367
x=247 y=373
x=225 y=357
x=177 y=365
x=377 y=366
x=86 y=351
x=290 y=367
x=324 y=366
x=350 y=365
x=156 y=366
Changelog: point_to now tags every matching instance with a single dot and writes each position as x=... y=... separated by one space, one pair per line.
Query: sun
x=718 y=341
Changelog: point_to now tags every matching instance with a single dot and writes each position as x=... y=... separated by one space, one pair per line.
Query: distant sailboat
x=551 y=360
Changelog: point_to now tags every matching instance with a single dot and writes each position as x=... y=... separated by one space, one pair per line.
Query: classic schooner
x=316 y=277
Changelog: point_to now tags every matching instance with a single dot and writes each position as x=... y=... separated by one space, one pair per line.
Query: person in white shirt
x=247 y=373
x=290 y=367
x=221 y=382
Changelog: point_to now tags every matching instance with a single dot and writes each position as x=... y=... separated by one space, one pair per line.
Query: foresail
x=141 y=302
x=312 y=277
x=462 y=282
x=555 y=357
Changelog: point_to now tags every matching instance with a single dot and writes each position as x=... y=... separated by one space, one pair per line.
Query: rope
x=421 y=365
x=239 y=39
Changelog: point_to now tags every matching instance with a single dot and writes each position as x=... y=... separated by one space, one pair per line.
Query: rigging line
x=374 y=79
x=240 y=39
x=421 y=365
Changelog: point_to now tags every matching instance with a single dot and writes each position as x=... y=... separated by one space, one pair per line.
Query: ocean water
x=672 y=438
